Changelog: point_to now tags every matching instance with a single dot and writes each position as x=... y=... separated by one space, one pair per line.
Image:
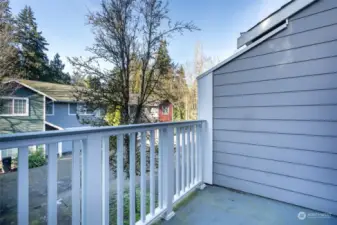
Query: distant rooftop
x=58 y=92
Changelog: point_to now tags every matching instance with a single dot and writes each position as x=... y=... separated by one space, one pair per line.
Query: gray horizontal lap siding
x=33 y=122
x=62 y=118
x=275 y=114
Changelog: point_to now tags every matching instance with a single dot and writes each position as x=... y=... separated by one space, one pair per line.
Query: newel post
x=168 y=170
x=92 y=172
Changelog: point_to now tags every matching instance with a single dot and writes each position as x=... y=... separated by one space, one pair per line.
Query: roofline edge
x=242 y=51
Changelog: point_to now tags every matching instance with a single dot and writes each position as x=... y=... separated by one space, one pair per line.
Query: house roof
x=56 y=92
x=152 y=101
x=269 y=26
x=52 y=125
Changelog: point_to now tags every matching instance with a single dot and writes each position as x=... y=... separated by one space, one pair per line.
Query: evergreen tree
x=34 y=61
x=9 y=58
x=5 y=14
x=56 y=74
x=180 y=92
x=164 y=62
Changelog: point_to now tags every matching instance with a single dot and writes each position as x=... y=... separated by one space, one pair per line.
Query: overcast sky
x=63 y=24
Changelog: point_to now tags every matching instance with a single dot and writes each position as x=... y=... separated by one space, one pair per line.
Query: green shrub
x=36 y=159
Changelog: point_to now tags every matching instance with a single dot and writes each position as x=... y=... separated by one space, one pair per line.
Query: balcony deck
x=170 y=167
x=219 y=206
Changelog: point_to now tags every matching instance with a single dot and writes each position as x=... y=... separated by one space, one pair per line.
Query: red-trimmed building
x=165 y=111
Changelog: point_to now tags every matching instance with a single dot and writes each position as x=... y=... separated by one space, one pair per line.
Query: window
x=50 y=108
x=14 y=106
x=165 y=109
x=72 y=108
x=82 y=109
x=79 y=109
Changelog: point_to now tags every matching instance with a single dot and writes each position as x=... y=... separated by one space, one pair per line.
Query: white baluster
x=183 y=161
x=75 y=183
x=188 y=157
x=160 y=169
x=52 y=183
x=192 y=156
x=92 y=180
x=23 y=186
x=132 y=165
x=143 y=177
x=168 y=172
x=60 y=151
x=106 y=179
x=197 y=155
x=152 y=172
x=120 y=179
x=178 y=161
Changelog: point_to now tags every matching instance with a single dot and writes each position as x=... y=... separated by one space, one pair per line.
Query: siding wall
x=61 y=117
x=33 y=122
x=275 y=114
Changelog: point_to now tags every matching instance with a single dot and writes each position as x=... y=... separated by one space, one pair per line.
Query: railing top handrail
x=81 y=131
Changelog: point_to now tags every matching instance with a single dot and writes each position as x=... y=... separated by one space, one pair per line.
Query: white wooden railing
x=179 y=170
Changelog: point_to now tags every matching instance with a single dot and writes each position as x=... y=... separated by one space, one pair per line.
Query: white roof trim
x=53 y=125
x=247 y=48
x=271 y=21
x=29 y=87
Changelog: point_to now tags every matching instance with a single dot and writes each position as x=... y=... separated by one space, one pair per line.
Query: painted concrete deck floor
x=220 y=206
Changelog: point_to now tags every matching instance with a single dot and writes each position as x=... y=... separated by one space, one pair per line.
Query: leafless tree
x=200 y=64
x=127 y=33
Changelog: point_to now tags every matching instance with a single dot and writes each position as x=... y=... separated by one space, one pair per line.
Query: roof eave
x=273 y=20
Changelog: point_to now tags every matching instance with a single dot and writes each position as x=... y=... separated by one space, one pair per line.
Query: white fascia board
x=243 y=50
x=288 y=10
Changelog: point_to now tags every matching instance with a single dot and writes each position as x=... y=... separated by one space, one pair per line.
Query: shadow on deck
x=219 y=206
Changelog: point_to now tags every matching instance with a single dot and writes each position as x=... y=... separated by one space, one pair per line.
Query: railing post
x=106 y=179
x=76 y=183
x=92 y=173
x=201 y=147
x=168 y=167
x=52 y=183
x=23 y=186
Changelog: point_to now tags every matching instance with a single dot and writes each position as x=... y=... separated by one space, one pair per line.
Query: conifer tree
x=56 y=74
x=32 y=45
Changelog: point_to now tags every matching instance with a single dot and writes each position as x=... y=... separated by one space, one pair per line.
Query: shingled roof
x=56 y=92
x=65 y=93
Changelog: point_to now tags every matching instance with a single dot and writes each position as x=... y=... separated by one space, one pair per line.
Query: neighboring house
x=154 y=110
x=40 y=106
x=165 y=111
x=272 y=109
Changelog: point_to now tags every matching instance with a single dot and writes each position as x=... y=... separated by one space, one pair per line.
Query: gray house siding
x=62 y=118
x=33 y=122
x=275 y=114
